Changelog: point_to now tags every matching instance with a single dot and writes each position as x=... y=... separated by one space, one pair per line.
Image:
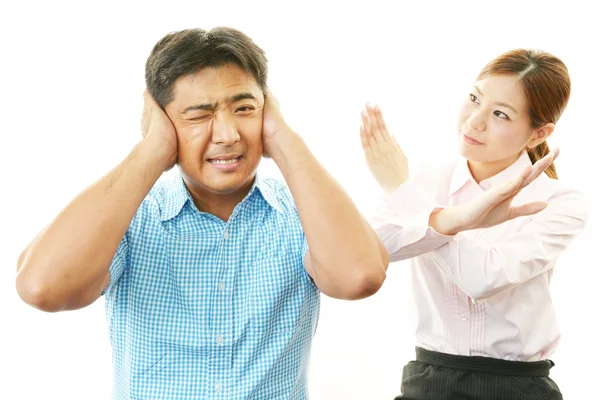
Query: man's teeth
x=232 y=161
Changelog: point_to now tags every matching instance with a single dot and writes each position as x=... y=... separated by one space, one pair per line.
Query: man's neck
x=220 y=205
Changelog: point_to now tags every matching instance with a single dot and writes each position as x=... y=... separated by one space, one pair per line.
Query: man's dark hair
x=190 y=50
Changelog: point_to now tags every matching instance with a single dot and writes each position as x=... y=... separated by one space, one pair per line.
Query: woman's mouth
x=470 y=140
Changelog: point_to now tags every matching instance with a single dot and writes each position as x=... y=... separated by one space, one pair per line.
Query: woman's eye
x=500 y=114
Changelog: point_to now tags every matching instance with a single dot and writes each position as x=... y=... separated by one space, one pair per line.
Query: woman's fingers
x=364 y=141
x=373 y=123
x=540 y=166
x=526 y=209
x=378 y=114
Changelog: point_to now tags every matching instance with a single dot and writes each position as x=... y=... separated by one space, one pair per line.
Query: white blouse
x=482 y=292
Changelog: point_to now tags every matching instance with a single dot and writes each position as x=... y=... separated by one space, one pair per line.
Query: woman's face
x=494 y=122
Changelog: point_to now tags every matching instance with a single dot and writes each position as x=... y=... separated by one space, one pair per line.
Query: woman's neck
x=486 y=169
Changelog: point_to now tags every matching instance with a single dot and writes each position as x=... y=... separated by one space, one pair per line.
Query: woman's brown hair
x=546 y=84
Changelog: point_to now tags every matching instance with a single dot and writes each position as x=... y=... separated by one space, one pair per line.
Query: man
x=212 y=280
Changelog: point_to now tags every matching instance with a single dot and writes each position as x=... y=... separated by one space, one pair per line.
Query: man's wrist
x=153 y=155
x=282 y=145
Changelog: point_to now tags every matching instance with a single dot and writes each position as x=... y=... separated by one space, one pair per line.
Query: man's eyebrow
x=201 y=107
x=242 y=96
x=213 y=106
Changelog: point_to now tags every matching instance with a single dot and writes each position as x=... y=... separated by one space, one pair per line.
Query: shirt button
x=219 y=339
x=463 y=317
x=226 y=235
x=218 y=387
x=221 y=286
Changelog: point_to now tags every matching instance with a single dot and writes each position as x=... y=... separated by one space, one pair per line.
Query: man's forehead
x=214 y=78
x=216 y=88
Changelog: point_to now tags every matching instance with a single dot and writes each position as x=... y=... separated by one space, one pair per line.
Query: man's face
x=218 y=114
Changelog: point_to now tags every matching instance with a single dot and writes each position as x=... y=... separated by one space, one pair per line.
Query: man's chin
x=226 y=184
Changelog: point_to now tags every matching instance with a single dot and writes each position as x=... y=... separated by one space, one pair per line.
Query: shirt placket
x=477 y=328
x=470 y=316
x=463 y=319
x=222 y=324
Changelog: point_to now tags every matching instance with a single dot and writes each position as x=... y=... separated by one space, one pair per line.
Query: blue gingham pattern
x=199 y=308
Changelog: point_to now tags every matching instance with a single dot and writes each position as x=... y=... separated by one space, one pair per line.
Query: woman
x=485 y=233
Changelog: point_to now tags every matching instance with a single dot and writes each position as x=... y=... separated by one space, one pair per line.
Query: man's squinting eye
x=244 y=109
x=200 y=117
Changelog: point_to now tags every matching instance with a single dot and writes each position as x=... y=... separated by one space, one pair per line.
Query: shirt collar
x=177 y=195
x=461 y=174
x=268 y=192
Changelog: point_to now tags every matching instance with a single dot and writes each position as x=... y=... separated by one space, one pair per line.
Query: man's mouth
x=224 y=161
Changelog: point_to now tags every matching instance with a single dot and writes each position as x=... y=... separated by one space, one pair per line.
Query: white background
x=70 y=104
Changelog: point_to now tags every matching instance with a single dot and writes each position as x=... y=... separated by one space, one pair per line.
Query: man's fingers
x=146 y=112
x=271 y=98
x=149 y=100
x=268 y=93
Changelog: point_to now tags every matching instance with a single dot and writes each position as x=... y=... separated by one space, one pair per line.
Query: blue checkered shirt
x=199 y=308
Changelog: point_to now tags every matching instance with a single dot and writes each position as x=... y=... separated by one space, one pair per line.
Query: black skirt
x=440 y=376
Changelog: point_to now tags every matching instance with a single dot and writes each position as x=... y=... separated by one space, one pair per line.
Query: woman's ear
x=540 y=135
